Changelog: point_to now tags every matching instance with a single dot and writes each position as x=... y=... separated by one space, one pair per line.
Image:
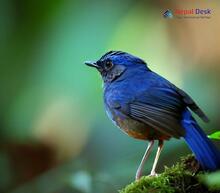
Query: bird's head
x=115 y=63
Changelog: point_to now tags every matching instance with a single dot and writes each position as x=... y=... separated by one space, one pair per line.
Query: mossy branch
x=184 y=177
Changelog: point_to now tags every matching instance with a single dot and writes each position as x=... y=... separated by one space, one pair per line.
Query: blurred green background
x=54 y=134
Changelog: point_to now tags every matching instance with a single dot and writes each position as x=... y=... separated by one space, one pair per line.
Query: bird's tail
x=205 y=151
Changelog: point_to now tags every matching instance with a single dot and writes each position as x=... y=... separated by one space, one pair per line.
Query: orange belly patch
x=139 y=130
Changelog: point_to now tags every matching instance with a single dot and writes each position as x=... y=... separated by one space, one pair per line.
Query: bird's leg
x=160 y=147
x=145 y=157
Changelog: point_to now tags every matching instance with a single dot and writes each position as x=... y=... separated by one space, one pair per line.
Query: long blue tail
x=205 y=151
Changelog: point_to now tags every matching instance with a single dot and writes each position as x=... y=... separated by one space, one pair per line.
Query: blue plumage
x=147 y=106
x=206 y=153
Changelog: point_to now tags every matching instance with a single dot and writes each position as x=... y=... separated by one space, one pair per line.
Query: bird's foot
x=153 y=174
x=137 y=177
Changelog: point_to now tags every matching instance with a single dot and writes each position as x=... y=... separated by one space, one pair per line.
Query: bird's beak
x=91 y=64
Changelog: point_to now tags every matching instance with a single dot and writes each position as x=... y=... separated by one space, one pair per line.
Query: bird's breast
x=132 y=127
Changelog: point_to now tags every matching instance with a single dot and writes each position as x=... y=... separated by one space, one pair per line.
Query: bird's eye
x=108 y=65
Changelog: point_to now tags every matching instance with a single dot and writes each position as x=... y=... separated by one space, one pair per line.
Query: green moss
x=182 y=177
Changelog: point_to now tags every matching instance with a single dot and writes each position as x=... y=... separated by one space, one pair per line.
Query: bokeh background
x=54 y=134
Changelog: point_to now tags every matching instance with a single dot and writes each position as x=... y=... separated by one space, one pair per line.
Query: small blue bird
x=147 y=106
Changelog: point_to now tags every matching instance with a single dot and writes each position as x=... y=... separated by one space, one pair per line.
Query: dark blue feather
x=205 y=151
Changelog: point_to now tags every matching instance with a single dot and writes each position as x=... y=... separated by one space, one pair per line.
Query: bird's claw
x=137 y=177
x=153 y=174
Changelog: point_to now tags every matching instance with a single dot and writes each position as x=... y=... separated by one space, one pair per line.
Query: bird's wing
x=160 y=108
x=191 y=104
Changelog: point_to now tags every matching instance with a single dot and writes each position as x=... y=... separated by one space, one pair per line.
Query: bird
x=146 y=106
